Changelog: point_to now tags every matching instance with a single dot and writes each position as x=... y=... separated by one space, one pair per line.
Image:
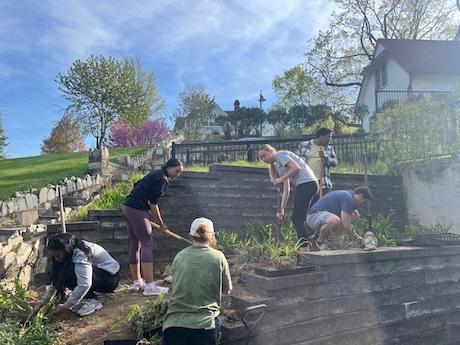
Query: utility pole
x=262 y=99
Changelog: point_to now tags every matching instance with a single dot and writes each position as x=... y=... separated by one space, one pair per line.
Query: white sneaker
x=152 y=289
x=137 y=285
x=89 y=306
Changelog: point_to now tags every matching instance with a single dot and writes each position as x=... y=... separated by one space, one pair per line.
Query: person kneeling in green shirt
x=200 y=276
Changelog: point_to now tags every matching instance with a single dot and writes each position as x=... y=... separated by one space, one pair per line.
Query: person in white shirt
x=82 y=267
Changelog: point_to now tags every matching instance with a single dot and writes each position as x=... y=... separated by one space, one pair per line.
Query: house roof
x=424 y=56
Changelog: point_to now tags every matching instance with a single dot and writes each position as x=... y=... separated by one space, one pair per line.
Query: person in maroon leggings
x=144 y=197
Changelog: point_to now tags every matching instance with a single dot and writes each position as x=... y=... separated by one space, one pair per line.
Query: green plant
x=113 y=197
x=413 y=230
x=17 y=327
x=386 y=234
x=261 y=242
x=227 y=241
x=146 y=317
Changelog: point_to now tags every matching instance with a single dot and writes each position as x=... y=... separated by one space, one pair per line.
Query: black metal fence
x=348 y=148
x=384 y=99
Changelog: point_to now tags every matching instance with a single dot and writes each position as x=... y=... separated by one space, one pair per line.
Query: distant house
x=211 y=129
x=404 y=69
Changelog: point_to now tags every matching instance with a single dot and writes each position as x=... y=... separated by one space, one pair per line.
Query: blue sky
x=234 y=48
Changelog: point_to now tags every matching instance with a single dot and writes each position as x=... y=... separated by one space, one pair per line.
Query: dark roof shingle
x=425 y=56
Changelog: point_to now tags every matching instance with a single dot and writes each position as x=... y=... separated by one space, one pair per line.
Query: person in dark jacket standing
x=144 y=197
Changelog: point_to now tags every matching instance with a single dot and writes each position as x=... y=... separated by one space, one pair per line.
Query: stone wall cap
x=351 y=256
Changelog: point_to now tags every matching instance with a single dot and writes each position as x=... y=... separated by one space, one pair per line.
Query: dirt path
x=96 y=328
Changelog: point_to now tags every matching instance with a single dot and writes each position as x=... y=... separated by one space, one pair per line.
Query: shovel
x=170 y=233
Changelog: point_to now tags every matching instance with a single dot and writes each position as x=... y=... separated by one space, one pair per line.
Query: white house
x=402 y=69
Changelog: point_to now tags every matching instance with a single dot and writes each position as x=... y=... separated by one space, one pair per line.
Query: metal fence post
x=249 y=155
x=173 y=150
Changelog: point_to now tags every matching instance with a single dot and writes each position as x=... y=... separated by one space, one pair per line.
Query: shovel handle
x=170 y=233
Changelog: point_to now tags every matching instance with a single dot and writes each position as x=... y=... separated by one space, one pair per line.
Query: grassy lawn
x=373 y=168
x=205 y=168
x=20 y=174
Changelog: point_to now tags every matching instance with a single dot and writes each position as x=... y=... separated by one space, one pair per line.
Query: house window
x=381 y=76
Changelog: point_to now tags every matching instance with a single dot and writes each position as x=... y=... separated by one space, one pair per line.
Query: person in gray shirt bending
x=285 y=166
x=83 y=267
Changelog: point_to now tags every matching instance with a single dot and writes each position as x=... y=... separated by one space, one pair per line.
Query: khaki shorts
x=317 y=219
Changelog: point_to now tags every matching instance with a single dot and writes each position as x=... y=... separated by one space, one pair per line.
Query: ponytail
x=272 y=167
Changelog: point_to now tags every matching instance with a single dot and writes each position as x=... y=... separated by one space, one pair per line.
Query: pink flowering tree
x=150 y=133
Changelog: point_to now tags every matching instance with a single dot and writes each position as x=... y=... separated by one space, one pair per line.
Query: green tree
x=278 y=118
x=245 y=121
x=3 y=139
x=338 y=55
x=65 y=137
x=297 y=87
x=102 y=90
x=196 y=109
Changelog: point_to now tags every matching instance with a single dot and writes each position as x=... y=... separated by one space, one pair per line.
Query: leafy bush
x=419 y=129
x=16 y=327
x=147 y=317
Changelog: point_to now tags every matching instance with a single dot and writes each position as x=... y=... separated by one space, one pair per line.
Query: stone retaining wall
x=235 y=196
x=231 y=196
x=26 y=207
x=20 y=251
x=387 y=297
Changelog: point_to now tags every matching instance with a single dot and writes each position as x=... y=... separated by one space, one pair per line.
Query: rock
x=73 y=178
x=84 y=183
x=18 y=194
x=15 y=240
x=89 y=181
x=79 y=184
x=51 y=194
x=8 y=261
x=4 y=209
x=98 y=179
x=12 y=205
x=29 y=201
x=35 y=201
x=43 y=195
x=22 y=205
x=25 y=276
x=23 y=253
x=70 y=186
x=6 y=249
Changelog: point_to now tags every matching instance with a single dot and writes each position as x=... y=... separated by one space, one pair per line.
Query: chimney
x=236 y=105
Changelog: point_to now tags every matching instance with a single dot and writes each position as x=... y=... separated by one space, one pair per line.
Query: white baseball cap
x=201 y=223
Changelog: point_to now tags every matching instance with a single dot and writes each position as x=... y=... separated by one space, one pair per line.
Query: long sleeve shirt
x=83 y=267
x=330 y=160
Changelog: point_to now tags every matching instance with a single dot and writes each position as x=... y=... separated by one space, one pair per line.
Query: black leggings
x=103 y=281
x=189 y=336
x=302 y=198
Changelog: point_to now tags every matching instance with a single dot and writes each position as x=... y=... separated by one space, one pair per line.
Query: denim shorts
x=317 y=219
